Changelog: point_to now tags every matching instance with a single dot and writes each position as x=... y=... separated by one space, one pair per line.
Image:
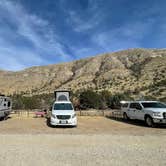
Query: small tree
x=30 y=103
x=115 y=99
x=105 y=96
x=90 y=99
x=17 y=102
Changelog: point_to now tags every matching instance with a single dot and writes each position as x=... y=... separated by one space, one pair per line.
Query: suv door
x=132 y=110
x=139 y=113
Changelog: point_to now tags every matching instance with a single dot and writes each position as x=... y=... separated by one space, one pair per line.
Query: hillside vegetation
x=138 y=72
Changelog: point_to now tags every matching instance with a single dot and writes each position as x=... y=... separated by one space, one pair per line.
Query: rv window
x=9 y=104
x=63 y=106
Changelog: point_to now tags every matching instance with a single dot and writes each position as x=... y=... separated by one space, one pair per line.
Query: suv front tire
x=149 y=121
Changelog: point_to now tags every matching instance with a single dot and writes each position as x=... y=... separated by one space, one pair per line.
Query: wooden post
x=103 y=113
x=28 y=113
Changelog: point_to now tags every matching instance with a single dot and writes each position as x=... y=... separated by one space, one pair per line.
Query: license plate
x=63 y=121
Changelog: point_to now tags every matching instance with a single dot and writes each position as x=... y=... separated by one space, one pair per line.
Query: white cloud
x=146 y=22
x=33 y=29
x=129 y=35
x=80 y=23
x=13 y=58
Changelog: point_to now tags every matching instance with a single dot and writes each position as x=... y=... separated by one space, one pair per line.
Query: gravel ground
x=96 y=141
x=82 y=150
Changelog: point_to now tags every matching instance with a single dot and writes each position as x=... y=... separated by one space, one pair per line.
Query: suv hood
x=155 y=109
x=63 y=112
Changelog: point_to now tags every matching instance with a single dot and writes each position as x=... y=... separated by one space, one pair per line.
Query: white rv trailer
x=63 y=112
x=5 y=106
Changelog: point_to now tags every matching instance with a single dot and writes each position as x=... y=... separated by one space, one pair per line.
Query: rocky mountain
x=136 y=71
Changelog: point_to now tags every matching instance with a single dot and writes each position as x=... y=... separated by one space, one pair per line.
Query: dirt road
x=96 y=141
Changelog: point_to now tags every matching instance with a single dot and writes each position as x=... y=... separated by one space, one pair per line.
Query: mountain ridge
x=134 y=71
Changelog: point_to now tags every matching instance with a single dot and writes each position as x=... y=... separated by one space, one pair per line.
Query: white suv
x=152 y=112
x=63 y=114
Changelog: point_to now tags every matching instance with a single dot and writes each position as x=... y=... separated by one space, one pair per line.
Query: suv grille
x=63 y=117
x=164 y=115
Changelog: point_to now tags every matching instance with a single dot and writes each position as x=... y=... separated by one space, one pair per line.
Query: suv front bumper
x=162 y=121
x=60 y=122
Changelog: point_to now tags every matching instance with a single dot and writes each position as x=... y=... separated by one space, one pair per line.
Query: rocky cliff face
x=134 y=71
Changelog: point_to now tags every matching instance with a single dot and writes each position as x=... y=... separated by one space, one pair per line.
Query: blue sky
x=41 y=32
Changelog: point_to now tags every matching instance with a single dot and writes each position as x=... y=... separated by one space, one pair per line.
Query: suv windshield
x=153 y=105
x=63 y=106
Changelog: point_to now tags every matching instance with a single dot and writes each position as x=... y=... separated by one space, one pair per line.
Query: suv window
x=125 y=105
x=136 y=106
x=132 y=105
x=153 y=105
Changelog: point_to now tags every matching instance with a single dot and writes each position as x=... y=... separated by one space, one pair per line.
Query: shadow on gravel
x=135 y=122
x=5 y=118
x=51 y=126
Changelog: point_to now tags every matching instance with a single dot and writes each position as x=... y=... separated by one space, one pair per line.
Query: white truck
x=5 y=106
x=63 y=113
x=152 y=112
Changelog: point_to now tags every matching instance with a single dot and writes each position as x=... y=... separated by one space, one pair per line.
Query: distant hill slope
x=134 y=71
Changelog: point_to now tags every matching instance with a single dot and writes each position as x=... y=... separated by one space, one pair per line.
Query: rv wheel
x=6 y=116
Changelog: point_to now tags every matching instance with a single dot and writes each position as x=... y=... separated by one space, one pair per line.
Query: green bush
x=43 y=101
x=106 y=99
x=115 y=99
x=81 y=100
x=90 y=99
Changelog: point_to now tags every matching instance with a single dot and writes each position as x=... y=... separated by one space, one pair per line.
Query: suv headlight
x=54 y=116
x=74 y=115
x=157 y=114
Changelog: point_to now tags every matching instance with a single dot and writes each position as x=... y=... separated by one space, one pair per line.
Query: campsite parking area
x=86 y=125
x=96 y=141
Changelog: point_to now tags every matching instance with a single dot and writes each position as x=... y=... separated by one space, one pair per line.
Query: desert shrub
x=106 y=99
x=149 y=97
x=43 y=101
x=163 y=99
x=100 y=100
x=17 y=102
x=81 y=100
x=116 y=98
x=30 y=102
x=115 y=101
x=90 y=99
